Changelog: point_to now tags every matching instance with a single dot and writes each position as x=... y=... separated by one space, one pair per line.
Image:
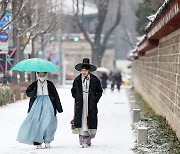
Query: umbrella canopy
x=102 y=69
x=35 y=65
x=115 y=71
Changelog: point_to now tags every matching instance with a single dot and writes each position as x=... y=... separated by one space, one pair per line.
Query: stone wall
x=157 y=77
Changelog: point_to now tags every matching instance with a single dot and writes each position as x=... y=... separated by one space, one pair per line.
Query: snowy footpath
x=114 y=134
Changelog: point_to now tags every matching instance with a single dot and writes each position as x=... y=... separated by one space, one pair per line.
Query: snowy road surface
x=114 y=134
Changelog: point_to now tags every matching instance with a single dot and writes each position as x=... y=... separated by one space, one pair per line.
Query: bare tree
x=3 y=7
x=13 y=7
x=98 y=44
x=35 y=18
x=44 y=20
x=16 y=5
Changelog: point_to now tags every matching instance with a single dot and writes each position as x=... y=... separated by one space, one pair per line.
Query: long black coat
x=31 y=92
x=104 y=79
x=95 y=92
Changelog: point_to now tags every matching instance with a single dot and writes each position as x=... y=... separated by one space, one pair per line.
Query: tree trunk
x=42 y=46
x=33 y=56
x=15 y=32
x=14 y=75
x=21 y=54
x=21 y=57
x=33 y=48
x=96 y=57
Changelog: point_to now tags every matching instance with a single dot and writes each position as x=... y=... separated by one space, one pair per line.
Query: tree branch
x=84 y=31
x=80 y=24
x=129 y=38
x=117 y=21
x=102 y=13
x=35 y=25
x=4 y=4
x=83 y=9
x=14 y=17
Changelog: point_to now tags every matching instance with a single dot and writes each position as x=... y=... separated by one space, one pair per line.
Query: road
x=114 y=134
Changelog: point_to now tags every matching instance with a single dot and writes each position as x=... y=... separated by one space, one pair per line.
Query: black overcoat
x=31 y=92
x=104 y=79
x=95 y=92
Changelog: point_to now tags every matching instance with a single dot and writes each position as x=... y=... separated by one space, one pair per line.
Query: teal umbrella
x=35 y=65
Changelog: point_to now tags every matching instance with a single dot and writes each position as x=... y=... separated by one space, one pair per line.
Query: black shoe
x=36 y=143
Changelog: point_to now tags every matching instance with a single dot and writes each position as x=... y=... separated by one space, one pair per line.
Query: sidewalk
x=114 y=135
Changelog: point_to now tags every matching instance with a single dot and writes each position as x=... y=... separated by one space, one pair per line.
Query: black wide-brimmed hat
x=85 y=64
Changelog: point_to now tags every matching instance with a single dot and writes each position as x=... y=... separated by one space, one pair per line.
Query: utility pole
x=60 y=55
x=60 y=64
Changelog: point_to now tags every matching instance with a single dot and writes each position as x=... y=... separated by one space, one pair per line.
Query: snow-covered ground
x=114 y=135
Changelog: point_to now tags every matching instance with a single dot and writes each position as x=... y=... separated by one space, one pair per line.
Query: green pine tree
x=145 y=9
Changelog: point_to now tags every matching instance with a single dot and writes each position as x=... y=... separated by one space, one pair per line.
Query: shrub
x=5 y=95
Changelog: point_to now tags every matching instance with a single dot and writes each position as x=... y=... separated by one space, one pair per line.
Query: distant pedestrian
x=118 y=80
x=41 y=122
x=112 y=80
x=86 y=91
x=104 y=79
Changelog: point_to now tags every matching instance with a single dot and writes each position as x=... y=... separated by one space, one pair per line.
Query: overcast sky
x=89 y=8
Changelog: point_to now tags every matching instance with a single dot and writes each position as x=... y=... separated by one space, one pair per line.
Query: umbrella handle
x=35 y=76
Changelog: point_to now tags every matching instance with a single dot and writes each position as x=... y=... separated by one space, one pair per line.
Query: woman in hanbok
x=40 y=123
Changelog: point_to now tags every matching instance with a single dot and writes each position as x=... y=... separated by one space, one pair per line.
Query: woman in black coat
x=41 y=122
x=104 y=79
x=86 y=91
x=118 y=79
x=31 y=92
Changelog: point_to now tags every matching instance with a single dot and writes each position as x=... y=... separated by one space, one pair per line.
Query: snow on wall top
x=155 y=16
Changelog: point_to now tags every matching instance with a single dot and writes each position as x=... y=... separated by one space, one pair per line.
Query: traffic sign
x=4 y=36
x=4 y=42
x=7 y=18
x=3 y=47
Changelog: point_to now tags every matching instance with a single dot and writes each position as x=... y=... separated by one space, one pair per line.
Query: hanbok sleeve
x=31 y=90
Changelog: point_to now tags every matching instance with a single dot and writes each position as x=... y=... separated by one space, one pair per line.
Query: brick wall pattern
x=157 y=77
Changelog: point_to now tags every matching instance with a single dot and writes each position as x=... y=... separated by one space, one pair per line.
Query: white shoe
x=47 y=145
x=84 y=146
x=39 y=146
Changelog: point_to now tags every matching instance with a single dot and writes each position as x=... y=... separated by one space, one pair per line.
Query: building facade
x=75 y=51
